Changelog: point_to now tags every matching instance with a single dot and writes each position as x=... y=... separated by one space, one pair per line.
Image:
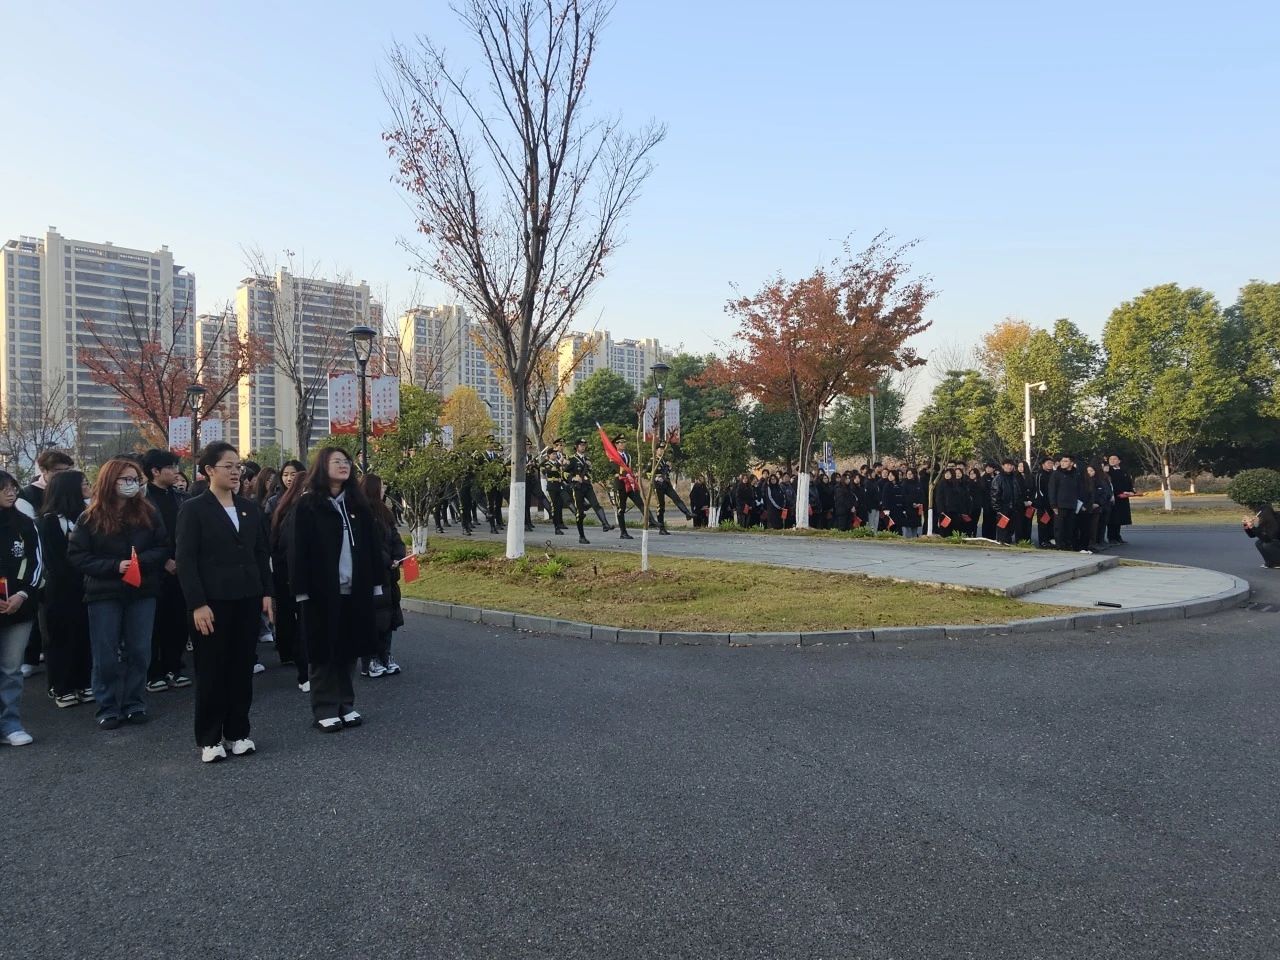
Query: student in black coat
x=913 y=499
x=169 y=633
x=1040 y=500
x=774 y=503
x=118 y=525
x=386 y=606
x=1122 y=490
x=20 y=569
x=335 y=571
x=225 y=568
x=842 y=502
x=67 y=650
x=289 y=645
x=1065 y=495
x=700 y=502
x=1006 y=502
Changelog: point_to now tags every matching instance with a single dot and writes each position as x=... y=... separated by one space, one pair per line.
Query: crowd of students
x=110 y=584
x=1055 y=504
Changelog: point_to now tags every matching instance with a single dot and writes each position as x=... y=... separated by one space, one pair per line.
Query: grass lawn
x=695 y=595
x=1203 y=508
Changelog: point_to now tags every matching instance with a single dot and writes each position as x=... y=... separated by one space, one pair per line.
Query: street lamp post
x=195 y=400
x=362 y=345
x=659 y=371
x=1029 y=425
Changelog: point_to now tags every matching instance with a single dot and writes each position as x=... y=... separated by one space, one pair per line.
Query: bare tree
x=519 y=194
x=304 y=320
x=36 y=419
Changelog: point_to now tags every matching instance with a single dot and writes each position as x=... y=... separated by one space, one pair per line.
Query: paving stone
x=604 y=633
x=470 y=614
x=497 y=618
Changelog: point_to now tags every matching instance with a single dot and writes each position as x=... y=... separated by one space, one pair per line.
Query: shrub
x=1255 y=486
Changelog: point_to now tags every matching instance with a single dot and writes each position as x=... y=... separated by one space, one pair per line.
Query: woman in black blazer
x=224 y=568
x=335 y=570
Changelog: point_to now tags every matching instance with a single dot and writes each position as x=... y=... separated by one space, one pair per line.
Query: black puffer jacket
x=98 y=557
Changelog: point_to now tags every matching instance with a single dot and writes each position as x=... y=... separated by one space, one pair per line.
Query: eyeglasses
x=230 y=467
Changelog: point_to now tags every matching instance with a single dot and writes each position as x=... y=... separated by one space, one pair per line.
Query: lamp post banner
x=650 y=417
x=344 y=403
x=671 y=419
x=180 y=436
x=384 y=405
x=446 y=436
x=212 y=431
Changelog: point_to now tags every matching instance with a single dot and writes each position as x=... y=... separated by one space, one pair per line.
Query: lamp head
x=195 y=397
x=362 y=342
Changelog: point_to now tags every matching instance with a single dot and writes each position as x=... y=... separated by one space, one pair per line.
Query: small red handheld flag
x=1031 y=512
x=966 y=518
x=410 y=569
x=1046 y=518
x=133 y=574
x=944 y=522
x=1002 y=522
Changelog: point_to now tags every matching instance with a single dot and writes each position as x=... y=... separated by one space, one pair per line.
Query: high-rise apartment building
x=630 y=359
x=304 y=321
x=441 y=351
x=61 y=296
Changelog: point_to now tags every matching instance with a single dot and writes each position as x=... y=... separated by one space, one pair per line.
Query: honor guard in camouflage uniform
x=665 y=489
x=584 y=494
x=554 y=464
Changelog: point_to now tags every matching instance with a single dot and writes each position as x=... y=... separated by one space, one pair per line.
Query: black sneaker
x=137 y=719
x=108 y=723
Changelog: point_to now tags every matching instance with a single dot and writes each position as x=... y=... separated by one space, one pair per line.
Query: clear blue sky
x=1053 y=160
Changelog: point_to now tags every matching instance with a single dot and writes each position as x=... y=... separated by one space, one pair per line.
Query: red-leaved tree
x=800 y=344
x=150 y=357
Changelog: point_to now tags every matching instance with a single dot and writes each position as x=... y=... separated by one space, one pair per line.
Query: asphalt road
x=1092 y=795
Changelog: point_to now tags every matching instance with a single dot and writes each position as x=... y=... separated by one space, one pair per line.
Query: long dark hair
x=65 y=495
x=317 y=480
x=372 y=488
x=110 y=513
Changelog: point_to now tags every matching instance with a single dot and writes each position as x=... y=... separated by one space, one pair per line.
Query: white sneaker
x=352 y=719
x=213 y=754
x=28 y=670
x=374 y=670
x=19 y=738
x=259 y=668
x=392 y=667
x=305 y=686
x=242 y=748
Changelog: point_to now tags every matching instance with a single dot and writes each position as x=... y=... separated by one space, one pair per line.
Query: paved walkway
x=1039 y=576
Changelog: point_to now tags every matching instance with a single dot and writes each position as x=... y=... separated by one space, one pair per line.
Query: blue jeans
x=13 y=642
x=120 y=634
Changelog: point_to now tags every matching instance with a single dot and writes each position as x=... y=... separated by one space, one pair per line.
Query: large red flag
x=610 y=451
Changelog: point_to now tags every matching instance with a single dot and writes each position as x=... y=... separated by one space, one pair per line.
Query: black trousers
x=555 y=490
x=493 y=506
x=332 y=684
x=1113 y=527
x=1007 y=534
x=31 y=656
x=68 y=655
x=169 y=630
x=224 y=670
x=1064 y=528
x=289 y=643
x=625 y=497
x=665 y=491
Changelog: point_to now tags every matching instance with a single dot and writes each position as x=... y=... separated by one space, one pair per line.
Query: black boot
x=582 y=539
x=605 y=525
x=662 y=530
x=622 y=525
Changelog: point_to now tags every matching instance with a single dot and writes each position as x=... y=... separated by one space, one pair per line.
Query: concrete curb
x=1234 y=596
